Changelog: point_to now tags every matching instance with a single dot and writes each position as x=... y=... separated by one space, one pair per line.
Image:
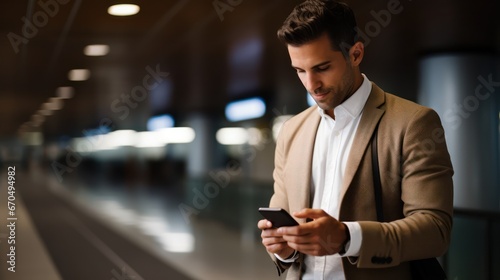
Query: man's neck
x=358 y=81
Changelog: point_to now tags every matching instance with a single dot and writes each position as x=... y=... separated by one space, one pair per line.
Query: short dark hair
x=312 y=18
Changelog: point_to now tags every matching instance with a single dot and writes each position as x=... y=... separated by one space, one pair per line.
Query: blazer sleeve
x=279 y=198
x=290 y=177
x=426 y=195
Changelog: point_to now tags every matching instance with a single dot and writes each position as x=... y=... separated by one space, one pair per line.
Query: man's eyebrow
x=315 y=66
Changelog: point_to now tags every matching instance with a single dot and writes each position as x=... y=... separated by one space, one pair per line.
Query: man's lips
x=322 y=91
x=320 y=95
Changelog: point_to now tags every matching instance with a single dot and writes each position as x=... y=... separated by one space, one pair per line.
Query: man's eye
x=324 y=68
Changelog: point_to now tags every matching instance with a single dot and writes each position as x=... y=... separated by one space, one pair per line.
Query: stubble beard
x=339 y=94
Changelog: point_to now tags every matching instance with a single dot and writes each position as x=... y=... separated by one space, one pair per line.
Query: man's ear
x=356 y=53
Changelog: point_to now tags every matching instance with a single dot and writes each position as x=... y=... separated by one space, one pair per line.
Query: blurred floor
x=113 y=231
x=32 y=260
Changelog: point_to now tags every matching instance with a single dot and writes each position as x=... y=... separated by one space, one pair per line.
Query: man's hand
x=324 y=235
x=273 y=241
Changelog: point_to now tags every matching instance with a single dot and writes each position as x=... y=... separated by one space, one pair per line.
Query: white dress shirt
x=331 y=151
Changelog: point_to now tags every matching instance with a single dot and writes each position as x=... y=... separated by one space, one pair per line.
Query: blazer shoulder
x=403 y=107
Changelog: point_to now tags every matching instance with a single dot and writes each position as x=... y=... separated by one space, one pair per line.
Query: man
x=323 y=168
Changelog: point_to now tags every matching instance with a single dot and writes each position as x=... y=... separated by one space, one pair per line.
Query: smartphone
x=278 y=217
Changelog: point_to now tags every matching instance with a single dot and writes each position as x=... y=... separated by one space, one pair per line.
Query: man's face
x=326 y=74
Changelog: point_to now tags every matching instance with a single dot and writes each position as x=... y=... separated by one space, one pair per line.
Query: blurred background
x=138 y=143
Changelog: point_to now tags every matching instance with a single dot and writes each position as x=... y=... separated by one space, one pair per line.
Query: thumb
x=310 y=213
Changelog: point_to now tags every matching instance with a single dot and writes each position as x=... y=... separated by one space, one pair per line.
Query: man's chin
x=324 y=107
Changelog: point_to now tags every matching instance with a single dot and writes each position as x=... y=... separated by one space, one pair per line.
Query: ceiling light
x=45 y=112
x=53 y=104
x=123 y=10
x=65 y=92
x=24 y=126
x=37 y=120
x=96 y=50
x=78 y=74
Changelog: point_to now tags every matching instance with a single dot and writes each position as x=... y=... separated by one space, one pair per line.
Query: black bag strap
x=377 y=185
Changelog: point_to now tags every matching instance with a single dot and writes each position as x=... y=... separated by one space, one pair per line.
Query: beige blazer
x=416 y=175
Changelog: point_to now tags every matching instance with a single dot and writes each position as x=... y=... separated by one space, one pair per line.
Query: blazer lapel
x=371 y=116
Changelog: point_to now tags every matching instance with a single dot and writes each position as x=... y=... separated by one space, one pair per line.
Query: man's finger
x=270 y=233
x=264 y=224
x=310 y=213
x=294 y=230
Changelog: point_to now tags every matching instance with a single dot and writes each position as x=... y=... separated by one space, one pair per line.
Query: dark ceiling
x=210 y=58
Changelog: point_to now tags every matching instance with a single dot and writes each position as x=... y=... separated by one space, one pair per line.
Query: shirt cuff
x=353 y=247
x=291 y=259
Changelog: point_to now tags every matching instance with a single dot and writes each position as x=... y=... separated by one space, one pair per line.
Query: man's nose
x=313 y=82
